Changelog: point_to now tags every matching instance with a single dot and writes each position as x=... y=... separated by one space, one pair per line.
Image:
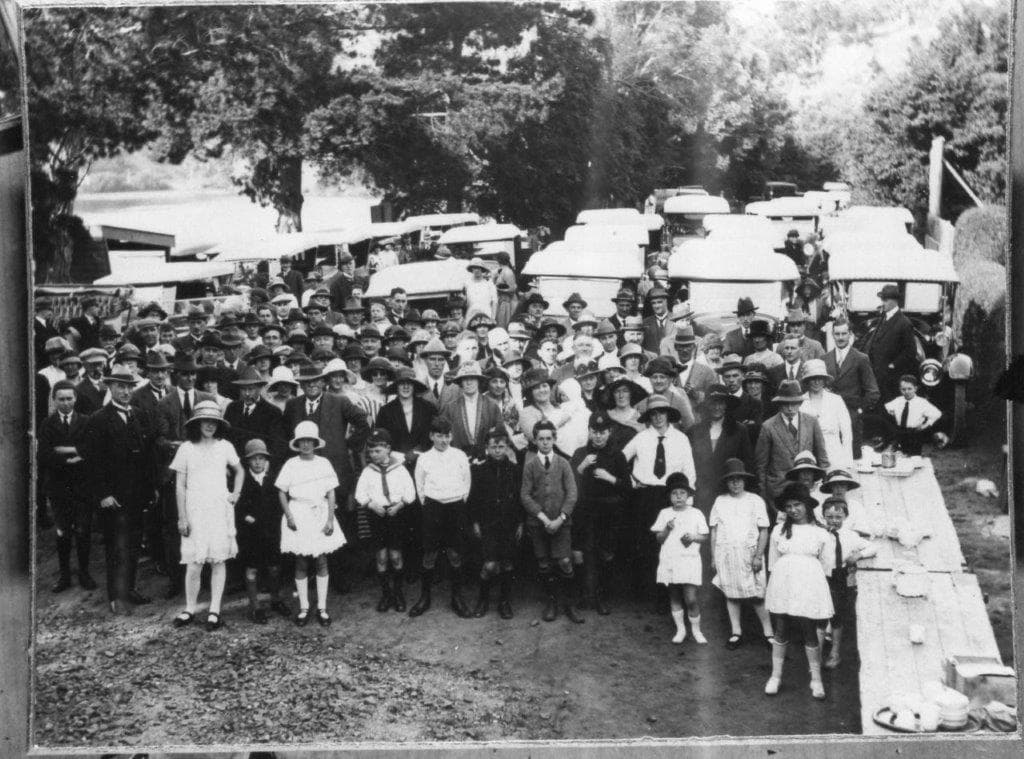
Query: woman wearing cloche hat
x=309 y=528
x=206 y=517
x=830 y=410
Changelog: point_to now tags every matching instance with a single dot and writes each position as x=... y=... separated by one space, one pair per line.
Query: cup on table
x=917 y=634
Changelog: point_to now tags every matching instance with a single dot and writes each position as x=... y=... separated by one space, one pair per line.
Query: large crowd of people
x=317 y=432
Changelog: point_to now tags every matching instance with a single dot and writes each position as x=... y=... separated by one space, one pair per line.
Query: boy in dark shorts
x=497 y=518
x=442 y=482
x=603 y=477
x=548 y=493
x=258 y=524
x=385 y=489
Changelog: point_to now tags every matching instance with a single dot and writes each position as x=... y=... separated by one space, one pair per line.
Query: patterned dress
x=738 y=519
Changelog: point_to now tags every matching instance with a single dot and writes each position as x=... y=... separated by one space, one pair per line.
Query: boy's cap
x=378 y=437
x=255 y=447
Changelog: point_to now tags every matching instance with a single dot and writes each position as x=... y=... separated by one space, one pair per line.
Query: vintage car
x=485 y=241
x=714 y=275
x=875 y=220
x=427 y=283
x=774 y=189
x=738 y=226
x=928 y=284
x=685 y=214
x=436 y=224
x=174 y=286
x=596 y=274
x=629 y=240
x=656 y=200
x=788 y=213
x=651 y=222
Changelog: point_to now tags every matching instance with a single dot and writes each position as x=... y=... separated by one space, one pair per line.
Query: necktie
x=547 y=462
x=248 y=408
x=659 y=458
x=792 y=371
x=188 y=405
x=384 y=485
x=67 y=423
x=310 y=408
x=792 y=429
x=437 y=389
x=905 y=416
x=839 y=551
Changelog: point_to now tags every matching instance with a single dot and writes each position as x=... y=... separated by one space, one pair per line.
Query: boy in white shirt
x=914 y=417
x=442 y=482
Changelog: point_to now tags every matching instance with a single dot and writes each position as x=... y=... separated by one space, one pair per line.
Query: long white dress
x=306 y=484
x=834 y=421
x=738 y=519
x=797 y=571
x=211 y=518
x=679 y=564
x=481 y=297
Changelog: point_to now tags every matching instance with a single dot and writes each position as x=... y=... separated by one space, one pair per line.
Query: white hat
x=343 y=330
x=282 y=374
x=336 y=366
x=306 y=431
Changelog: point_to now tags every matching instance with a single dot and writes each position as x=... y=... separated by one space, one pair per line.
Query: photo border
x=17 y=539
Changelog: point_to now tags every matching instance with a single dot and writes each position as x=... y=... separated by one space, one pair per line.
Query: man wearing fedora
x=658 y=325
x=91 y=390
x=88 y=323
x=189 y=342
x=573 y=306
x=117 y=446
x=439 y=390
x=783 y=436
x=633 y=333
x=737 y=340
x=292 y=279
x=695 y=377
x=891 y=346
x=251 y=417
x=472 y=413
x=149 y=395
x=852 y=379
x=625 y=305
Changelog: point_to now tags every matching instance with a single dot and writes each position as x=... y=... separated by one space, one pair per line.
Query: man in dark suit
x=91 y=391
x=340 y=285
x=439 y=390
x=796 y=324
x=738 y=340
x=292 y=278
x=472 y=413
x=149 y=395
x=88 y=324
x=117 y=446
x=782 y=437
x=343 y=425
x=852 y=379
x=253 y=417
x=43 y=330
x=172 y=412
x=658 y=325
x=625 y=305
x=792 y=361
x=891 y=347
x=189 y=343
x=64 y=483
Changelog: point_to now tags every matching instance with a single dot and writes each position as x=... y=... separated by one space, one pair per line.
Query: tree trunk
x=288 y=199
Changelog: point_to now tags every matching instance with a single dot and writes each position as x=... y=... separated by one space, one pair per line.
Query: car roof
x=891 y=264
x=419 y=279
x=624 y=237
x=706 y=204
x=783 y=207
x=443 y=219
x=149 y=272
x=620 y=216
x=480 y=233
x=731 y=261
x=562 y=260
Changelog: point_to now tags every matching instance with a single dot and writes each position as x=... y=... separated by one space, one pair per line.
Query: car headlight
x=930 y=372
x=959 y=366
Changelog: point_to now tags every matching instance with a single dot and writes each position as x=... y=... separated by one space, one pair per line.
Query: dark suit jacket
x=449 y=392
x=119 y=457
x=701 y=377
x=60 y=479
x=266 y=423
x=335 y=416
x=186 y=344
x=341 y=290
x=776 y=449
x=892 y=350
x=734 y=342
x=143 y=398
x=854 y=380
x=89 y=332
x=41 y=333
x=709 y=460
x=296 y=283
x=780 y=372
x=654 y=334
x=487 y=415
x=403 y=439
x=90 y=399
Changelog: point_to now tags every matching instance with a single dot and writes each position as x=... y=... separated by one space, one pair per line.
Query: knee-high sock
x=302 y=588
x=321 y=591
x=218 y=575
x=193 y=572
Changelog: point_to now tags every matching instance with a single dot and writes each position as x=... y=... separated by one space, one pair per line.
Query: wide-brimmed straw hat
x=406 y=374
x=337 y=366
x=814 y=368
x=207 y=411
x=794 y=491
x=534 y=377
x=378 y=364
x=636 y=392
x=249 y=376
x=805 y=462
x=660 y=403
x=736 y=468
x=838 y=477
x=282 y=375
x=469 y=370
x=306 y=431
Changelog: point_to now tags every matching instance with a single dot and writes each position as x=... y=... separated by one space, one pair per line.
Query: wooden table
x=918 y=499
x=955 y=621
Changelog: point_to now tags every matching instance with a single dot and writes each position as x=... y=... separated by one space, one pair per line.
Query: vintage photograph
x=484 y=372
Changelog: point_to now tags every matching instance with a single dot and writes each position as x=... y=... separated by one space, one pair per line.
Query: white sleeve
x=362 y=495
x=660 y=521
x=406 y=490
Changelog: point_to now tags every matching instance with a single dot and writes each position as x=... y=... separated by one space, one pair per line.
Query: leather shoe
x=505 y=610
x=459 y=606
x=86 y=581
x=420 y=606
x=137 y=598
x=398 y=597
x=62 y=584
x=550 y=610
x=601 y=607
x=575 y=618
x=385 y=602
x=120 y=609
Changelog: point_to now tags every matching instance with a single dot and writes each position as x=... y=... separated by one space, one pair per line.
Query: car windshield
x=598 y=293
x=722 y=296
x=919 y=297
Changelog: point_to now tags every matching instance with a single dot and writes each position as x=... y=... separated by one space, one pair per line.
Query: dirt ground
x=385 y=677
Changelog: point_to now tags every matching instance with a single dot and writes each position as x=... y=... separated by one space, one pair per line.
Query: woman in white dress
x=830 y=411
x=481 y=294
x=206 y=513
x=801 y=556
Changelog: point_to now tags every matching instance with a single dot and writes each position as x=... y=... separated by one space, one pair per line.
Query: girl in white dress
x=801 y=556
x=680 y=529
x=739 y=534
x=481 y=294
x=309 y=528
x=206 y=513
x=830 y=411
